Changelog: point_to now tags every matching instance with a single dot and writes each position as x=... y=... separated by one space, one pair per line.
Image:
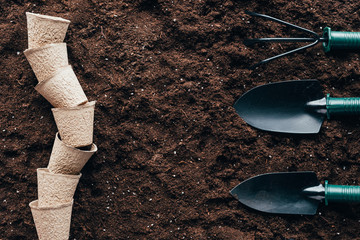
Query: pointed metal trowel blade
x=282 y=107
x=280 y=193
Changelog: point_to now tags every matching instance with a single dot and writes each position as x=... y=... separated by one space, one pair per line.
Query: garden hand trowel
x=297 y=106
x=291 y=193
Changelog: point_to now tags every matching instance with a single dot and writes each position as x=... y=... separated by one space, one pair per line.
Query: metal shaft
x=257 y=40
x=317 y=192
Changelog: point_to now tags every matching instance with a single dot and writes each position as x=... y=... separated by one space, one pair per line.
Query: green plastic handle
x=341 y=193
x=341 y=40
x=342 y=106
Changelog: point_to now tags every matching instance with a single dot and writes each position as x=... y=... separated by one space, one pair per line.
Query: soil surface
x=165 y=75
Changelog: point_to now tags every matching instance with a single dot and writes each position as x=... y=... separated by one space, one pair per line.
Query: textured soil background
x=165 y=75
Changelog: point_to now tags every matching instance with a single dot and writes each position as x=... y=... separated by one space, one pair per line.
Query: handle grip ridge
x=341 y=193
x=341 y=40
x=342 y=105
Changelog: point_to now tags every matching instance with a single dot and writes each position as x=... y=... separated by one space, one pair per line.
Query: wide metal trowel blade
x=281 y=107
x=280 y=193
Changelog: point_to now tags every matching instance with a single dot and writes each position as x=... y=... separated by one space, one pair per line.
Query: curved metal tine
x=284 y=54
x=282 y=22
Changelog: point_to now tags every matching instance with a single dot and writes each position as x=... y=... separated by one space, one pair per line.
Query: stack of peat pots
x=74 y=117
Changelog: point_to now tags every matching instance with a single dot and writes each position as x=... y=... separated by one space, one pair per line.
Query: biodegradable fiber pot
x=52 y=222
x=65 y=159
x=44 y=29
x=55 y=189
x=63 y=89
x=45 y=61
x=76 y=124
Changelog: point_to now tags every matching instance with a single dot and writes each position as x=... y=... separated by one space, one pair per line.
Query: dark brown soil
x=165 y=75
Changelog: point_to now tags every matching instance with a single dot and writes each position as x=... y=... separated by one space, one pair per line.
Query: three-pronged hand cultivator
x=331 y=40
